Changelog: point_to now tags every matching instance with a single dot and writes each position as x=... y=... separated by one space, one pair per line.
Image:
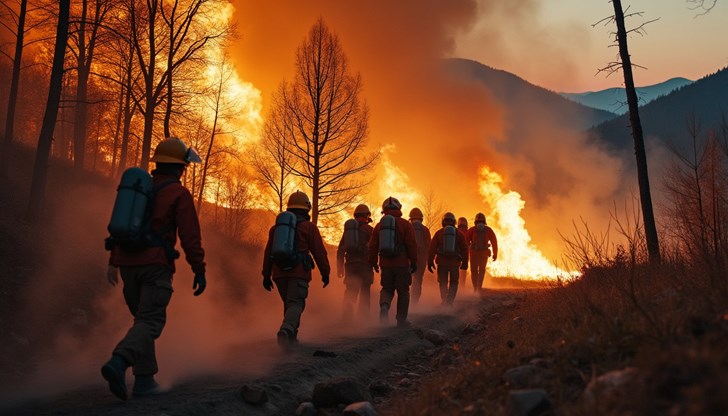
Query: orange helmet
x=415 y=214
x=362 y=210
x=300 y=200
x=391 y=203
x=174 y=150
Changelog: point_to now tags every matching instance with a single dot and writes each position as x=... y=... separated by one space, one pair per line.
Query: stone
x=253 y=395
x=341 y=390
x=405 y=382
x=611 y=385
x=306 y=409
x=380 y=388
x=528 y=403
x=524 y=376
x=434 y=336
x=360 y=409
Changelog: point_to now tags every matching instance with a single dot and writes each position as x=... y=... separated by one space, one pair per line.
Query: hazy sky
x=552 y=43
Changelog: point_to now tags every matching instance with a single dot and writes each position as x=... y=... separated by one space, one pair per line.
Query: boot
x=114 y=372
x=383 y=313
x=146 y=386
x=285 y=339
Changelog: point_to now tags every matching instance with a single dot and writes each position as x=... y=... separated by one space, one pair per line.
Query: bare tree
x=704 y=6
x=40 y=169
x=19 y=32
x=625 y=64
x=329 y=123
x=432 y=209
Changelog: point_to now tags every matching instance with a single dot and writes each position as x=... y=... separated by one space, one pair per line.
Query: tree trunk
x=14 y=83
x=80 y=115
x=40 y=169
x=150 y=99
x=653 y=246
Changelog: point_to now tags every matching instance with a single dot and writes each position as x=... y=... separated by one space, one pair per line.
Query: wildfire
x=517 y=257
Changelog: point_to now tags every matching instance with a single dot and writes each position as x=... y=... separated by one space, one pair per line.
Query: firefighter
x=481 y=240
x=423 y=237
x=292 y=282
x=448 y=250
x=147 y=272
x=463 y=229
x=398 y=263
x=353 y=264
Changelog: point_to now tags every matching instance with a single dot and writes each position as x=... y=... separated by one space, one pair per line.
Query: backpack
x=351 y=236
x=418 y=234
x=129 y=226
x=388 y=237
x=283 y=246
x=449 y=242
x=479 y=242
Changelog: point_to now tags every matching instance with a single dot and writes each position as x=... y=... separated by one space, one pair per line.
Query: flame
x=517 y=257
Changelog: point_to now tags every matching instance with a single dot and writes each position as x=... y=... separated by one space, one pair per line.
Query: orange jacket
x=174 y=213
x=405 y=237
x=422 y=251
x=436 y=244
x=365 y=234
x=489 y=237
x=308 y=240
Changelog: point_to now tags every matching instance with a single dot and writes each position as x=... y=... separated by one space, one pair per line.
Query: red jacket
x=425 y=246
x=308 y=240
x=434 y=255
x=365 y=234
x=489 y=237
x=405 y=237
x=173 y=211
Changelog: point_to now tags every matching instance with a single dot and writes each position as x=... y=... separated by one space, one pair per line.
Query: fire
x=517 y=256
x=395 y=182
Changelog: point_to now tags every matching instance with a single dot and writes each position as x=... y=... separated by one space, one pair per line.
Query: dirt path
x=386 y=354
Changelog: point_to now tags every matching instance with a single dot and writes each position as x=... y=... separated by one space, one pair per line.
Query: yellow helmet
x=300 y=200
x=480 y=217
x=391 y=203
x=462 y=221
x=448 y=219
x=416 y=214
x=174 y=150
x=362 y=209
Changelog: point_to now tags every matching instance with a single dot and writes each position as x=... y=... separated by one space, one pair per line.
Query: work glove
x=325 y=279
x=267 y=283
x=200 y=283
x=375 y=267
x=464 y=266
x=112 y=275
x=431 y=268
x=495 y=257
x=413 y=268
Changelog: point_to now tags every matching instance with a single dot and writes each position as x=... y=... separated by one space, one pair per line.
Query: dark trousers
x=358 y=281
x=417 y=279
x=293 y=292
x=477 y=270
x=396 y=279
x=147 y=292
x=447 y=277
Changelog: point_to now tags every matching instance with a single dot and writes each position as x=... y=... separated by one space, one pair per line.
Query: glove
x=112 y=275
x=325 y=279
x=463 y=266
x=495 y=257
x=200 y=283
x=413 y=268
x=375 y=267
x=431 y=268
x=267 y=283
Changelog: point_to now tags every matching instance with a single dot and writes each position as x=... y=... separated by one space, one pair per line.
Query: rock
x=306 y=409
x=528 y=403
x=518 y=320
x=380 y=388
x=405 y=382
x=611 y=385
x=540 y=362
x=253 y=395
x=434 y=336
x=470 y=329
x=276 y=387
x=360 y=409
x=524 y=376
x=320 y=353
x=342 y=390
x=413 y=375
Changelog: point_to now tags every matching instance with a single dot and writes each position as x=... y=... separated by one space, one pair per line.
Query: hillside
x=525 y=103
x=612 y=99
x=665 y=118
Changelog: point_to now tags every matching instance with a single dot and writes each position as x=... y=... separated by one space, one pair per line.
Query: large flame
x=517 y=257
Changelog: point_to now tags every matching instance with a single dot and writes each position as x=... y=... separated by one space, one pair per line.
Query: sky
x=552 y=43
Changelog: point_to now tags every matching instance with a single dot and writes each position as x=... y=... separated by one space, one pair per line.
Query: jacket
x=489 y=238
x=308 y=240
x=405 y=239
x=173 y=213
x=425 y=245
x=365 y=234
x=436 y=244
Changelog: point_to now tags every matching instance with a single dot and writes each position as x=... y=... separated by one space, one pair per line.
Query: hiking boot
x=285 y=339
x=384 y=313
x=146 y=386
x=114 y=372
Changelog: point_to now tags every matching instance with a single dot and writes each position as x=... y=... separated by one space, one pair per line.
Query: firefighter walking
x=463 y=229
x=481 y=239
x=423 y=237
x=353 y=263
x=449 y=251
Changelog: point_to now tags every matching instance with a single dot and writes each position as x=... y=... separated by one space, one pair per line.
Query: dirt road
x=383 y=354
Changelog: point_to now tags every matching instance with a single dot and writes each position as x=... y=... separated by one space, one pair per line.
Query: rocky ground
x=314 y=378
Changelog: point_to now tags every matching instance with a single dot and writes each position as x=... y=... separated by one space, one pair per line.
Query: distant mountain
x=525 y=104
x=612 y=99
x=665 y=117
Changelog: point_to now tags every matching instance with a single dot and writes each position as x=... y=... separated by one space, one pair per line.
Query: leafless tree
x=329 y=123
x=704 y=6
x=432 y=209
x=625 y=64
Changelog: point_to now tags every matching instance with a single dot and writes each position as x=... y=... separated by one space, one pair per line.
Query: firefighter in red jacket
x=463 y=229
x=293 y=284
x=147 y=273
x=481 y=239
x=353 y=265
x=423 y=237
x=447 y=262
x=397 y=267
